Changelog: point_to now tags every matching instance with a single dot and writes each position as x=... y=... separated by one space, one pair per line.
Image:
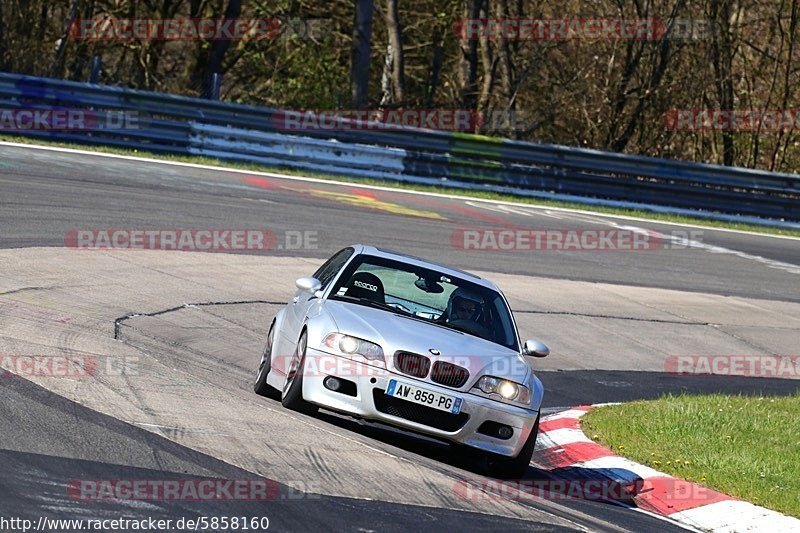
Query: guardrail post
x=97 y=68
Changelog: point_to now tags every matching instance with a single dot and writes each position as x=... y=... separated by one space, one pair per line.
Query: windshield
x=427 y=295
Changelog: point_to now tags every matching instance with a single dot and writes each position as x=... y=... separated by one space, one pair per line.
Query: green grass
x=485 y=195
x=747 y=447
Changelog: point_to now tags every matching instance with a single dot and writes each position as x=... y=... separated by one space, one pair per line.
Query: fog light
x=504 y=432
x=496 y=430
x=332 y=383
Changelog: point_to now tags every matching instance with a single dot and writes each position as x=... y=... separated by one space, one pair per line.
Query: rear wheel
x=515 y=467
x=261 y=386
x=292 y=397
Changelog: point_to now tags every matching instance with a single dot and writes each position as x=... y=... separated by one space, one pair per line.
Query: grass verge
x=485 y=195
x=746 y=447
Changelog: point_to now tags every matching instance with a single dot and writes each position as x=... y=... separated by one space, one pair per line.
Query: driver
x=464 y=304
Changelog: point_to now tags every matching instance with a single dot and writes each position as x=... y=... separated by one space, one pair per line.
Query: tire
x=515 y=467
x=261 y=387
x=292 y=397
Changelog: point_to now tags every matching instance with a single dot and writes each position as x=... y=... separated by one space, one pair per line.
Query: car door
x=298 y=308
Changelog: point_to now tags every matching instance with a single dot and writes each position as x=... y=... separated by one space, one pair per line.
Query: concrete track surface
x=171 y=397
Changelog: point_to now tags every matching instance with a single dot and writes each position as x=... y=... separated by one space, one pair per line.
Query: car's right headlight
x=347 y=345
x=504 y=388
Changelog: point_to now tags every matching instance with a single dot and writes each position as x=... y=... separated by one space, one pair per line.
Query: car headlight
x=506 y=389
x=348 y=345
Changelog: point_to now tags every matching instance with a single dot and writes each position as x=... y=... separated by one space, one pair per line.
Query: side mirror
x=308 y=284
x=535 y=348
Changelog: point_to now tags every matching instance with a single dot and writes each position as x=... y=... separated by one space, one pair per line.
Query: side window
x=328 y=271
x=501 y=323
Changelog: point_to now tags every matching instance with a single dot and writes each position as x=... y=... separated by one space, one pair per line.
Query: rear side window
x=332 y=266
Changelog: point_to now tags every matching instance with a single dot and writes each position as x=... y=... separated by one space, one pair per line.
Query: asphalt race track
x=171 y=397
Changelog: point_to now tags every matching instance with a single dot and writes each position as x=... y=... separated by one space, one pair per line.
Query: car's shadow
x=63 y=461
x=613 y=486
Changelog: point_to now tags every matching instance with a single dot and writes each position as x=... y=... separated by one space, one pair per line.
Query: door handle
x=295 y=299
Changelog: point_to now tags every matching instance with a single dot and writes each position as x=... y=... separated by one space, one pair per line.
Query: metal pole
x=216 y=83
x=97 y=68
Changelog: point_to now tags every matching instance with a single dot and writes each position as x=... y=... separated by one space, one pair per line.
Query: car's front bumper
x=371 y=383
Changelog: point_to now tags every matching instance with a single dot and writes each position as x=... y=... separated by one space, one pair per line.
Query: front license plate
x=414 y=394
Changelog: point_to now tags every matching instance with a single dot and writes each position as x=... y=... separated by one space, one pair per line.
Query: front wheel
x=261 y=387
x=515 y=467
x=292 y=397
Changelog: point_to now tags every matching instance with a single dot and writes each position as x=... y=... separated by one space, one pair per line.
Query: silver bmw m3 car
x=383 y=336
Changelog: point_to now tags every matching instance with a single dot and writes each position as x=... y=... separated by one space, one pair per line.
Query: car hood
x=395 y=332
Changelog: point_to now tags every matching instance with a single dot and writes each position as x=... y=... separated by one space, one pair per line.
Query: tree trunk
x=468 y=71
x=504 y=59
x=398 y=57
x=81 y=59
x=789 y=38
x=360 y=53
x=3 y=46
x=218 y=49
x=195 y=68
x=387 y=95
x=57 y=66
x=42 y=21
x=489 y=62
x=721 y=58
x=436 y=67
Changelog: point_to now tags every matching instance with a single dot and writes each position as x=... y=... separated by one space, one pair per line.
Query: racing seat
x=366 y=285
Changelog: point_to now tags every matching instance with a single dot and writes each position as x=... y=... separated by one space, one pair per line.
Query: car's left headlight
x=347 y=345
x=506 y=389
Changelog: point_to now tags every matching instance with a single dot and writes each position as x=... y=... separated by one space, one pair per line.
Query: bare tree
x=361 y=51
x=789 y=39
x=610 y=93
x=81 y=55
x=393 y=79
x=468 y=68
x=489 y=62
x=722 y=61
x=218 y=49
x=435 y=72
x=195 y=72
x=57 y=66
x=505 y=60
x=636 y=89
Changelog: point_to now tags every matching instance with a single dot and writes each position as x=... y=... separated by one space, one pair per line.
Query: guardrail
x=236 y=132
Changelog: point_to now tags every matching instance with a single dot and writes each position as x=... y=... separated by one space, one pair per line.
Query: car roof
x=418 y=261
